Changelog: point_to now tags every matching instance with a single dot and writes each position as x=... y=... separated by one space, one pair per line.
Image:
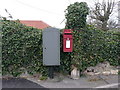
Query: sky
x=49 y=11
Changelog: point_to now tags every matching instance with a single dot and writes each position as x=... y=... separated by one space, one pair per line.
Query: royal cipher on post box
x=67 y=40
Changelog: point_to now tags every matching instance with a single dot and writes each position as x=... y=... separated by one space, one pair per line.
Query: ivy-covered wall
x=76 y=15
x=22 y=48
x=22 y=45
x=90 y=47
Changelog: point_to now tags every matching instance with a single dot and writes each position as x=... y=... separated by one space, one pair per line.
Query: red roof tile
x=35 y=24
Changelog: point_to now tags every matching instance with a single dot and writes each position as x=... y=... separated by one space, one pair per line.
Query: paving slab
x=110 y=78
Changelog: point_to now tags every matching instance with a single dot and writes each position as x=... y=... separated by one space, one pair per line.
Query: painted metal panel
x=51 y=47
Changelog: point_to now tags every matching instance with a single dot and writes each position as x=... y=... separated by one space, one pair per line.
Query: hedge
x=22 y=48
x=90 y=47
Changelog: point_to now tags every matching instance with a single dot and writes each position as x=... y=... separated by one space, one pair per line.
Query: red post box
x=67 y=40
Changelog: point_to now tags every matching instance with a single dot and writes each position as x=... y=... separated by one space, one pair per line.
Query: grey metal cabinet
x=51 y=46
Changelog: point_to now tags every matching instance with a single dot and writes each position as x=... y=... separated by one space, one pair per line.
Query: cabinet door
x=51 y=47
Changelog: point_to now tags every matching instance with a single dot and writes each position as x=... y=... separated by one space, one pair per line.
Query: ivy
x=76 y=15
x=90 y=47
x=21 y=48
x=22 y=45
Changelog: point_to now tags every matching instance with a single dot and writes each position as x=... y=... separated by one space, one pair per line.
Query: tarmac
x=19 y=83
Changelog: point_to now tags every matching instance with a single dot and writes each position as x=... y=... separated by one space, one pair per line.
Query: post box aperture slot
x=67 y=33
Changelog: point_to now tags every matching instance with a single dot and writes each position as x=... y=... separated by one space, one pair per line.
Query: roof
x=35 y=24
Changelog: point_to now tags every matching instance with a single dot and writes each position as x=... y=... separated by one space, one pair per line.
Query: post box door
x=67 y=44
x=51 y=47
x=67 y=40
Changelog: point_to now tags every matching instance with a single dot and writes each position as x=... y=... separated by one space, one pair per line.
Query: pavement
x=110 y=81
x=0 y=83
x=102 y=81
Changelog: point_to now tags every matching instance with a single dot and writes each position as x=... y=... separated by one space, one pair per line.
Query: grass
x=43 y=78
x=118 y=72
